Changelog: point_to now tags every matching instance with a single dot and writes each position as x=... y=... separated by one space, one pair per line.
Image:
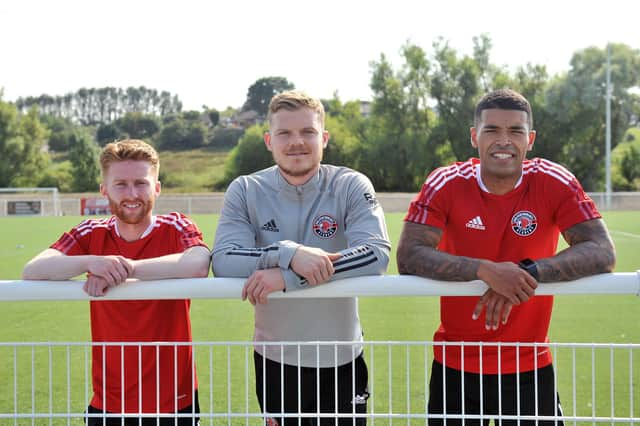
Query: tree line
x=422 y=110
x=94 y=106
x=418 y=119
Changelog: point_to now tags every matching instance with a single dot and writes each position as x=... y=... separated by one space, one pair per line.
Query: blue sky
x=210 y=52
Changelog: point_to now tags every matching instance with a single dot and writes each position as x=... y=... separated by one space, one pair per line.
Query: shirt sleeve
x=368 y=242
x=573 y=205
x=75 y=242
x=428 y=207
x=234 y=251
x=190 y=234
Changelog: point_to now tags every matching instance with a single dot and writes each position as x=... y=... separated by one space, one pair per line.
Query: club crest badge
x=325 y=226
x=524 y=223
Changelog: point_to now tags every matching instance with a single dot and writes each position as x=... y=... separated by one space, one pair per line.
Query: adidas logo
x=476 y=223
x=270 y=226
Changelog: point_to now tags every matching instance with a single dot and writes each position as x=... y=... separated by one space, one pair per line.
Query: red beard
x=127 y=216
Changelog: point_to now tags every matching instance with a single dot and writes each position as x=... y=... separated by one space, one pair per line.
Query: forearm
x=417 y=255
x=581 y=260
x=233 y=261
x=54 y=267
x=354 y=262
x=361 y=260
x=429 y=262
x=193 y=263
x=591 y=251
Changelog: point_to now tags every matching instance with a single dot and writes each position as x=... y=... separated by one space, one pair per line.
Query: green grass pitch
x=604 y=319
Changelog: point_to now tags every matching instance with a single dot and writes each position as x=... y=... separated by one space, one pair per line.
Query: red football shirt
x=524 y=223
x=145 y=320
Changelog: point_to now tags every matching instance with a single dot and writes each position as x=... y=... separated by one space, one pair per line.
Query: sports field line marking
x=626 y=234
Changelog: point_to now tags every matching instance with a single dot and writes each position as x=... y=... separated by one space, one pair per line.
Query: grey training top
x=263 y=221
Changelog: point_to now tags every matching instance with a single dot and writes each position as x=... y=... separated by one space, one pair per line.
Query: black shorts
x=348 y=400
x=498 y=396
x=147 y=421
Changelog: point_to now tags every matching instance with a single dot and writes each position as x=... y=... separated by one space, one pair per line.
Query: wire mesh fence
x=44 y=383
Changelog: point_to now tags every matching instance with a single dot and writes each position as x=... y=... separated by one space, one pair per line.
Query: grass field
x=603 y=319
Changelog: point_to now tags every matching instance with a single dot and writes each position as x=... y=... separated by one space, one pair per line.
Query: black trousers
x=147 y=421
x=493 y=400
x=349 y=401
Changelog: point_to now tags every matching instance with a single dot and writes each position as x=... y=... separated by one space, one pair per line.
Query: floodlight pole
x=608 y=134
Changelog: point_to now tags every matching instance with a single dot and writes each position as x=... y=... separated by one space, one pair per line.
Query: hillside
x=191 y=171
x=194 y=170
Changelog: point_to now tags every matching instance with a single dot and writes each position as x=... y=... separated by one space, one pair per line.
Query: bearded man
x=132 y=379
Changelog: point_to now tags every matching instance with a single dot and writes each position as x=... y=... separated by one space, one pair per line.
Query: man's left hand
x=96 y=285
x=497 y=309
x=261 y=283
x=314 y=264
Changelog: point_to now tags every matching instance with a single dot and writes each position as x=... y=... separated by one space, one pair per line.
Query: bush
x=182 y=134
x=225 y=137
x=107 y=133
x=59 y=175
x=344 y=147
x=248 y=156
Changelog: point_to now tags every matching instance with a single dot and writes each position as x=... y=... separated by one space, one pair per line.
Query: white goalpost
x=30 y=201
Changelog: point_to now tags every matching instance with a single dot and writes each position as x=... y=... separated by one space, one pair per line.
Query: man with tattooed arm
x=498 y=219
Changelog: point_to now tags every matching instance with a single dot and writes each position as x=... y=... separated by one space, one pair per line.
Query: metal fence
x=45 y=383
x=69 y=204
x=50 y=383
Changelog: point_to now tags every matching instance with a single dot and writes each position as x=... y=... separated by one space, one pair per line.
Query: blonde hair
x=293 y=100
x=128 y=149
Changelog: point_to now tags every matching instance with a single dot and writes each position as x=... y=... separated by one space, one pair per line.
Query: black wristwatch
x=530 y=266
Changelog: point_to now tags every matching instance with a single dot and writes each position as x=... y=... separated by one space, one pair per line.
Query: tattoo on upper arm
x=418 y=255
x=590 y=252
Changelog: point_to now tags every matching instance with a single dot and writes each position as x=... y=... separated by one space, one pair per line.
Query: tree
x=625 y=163
x=92 y=106
x=183 y=131
x=22 y=138
x=533 y=82
x=396 y=139
x=249 y=155
x=137 y=125
x=84 y=159
x=59 y=175
x=346 y=127
x=214 y=116
x=260 y=93
x=225 y=137
x=107 y=133
x=60 y=130
x=630 y=165
x=576 y=101
x=457 y=83
x=344 y=146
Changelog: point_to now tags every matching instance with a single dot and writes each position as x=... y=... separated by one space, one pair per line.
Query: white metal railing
x=50 y=383
x=46 y=383
x=379 y=285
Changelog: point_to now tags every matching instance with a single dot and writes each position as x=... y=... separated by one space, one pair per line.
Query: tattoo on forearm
x=443 y=266
x=417 y=255
x=591 y=252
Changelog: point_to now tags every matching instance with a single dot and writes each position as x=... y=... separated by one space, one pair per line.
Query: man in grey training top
x=290 y=227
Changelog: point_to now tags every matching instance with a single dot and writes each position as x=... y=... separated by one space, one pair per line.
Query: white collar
x=484 y=187
x=146 y=231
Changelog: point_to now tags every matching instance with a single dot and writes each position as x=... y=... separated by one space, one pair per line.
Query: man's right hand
x=95 y=286
x=113 y=269
x=509 y=280
x=262 y=283
x=314 y=264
